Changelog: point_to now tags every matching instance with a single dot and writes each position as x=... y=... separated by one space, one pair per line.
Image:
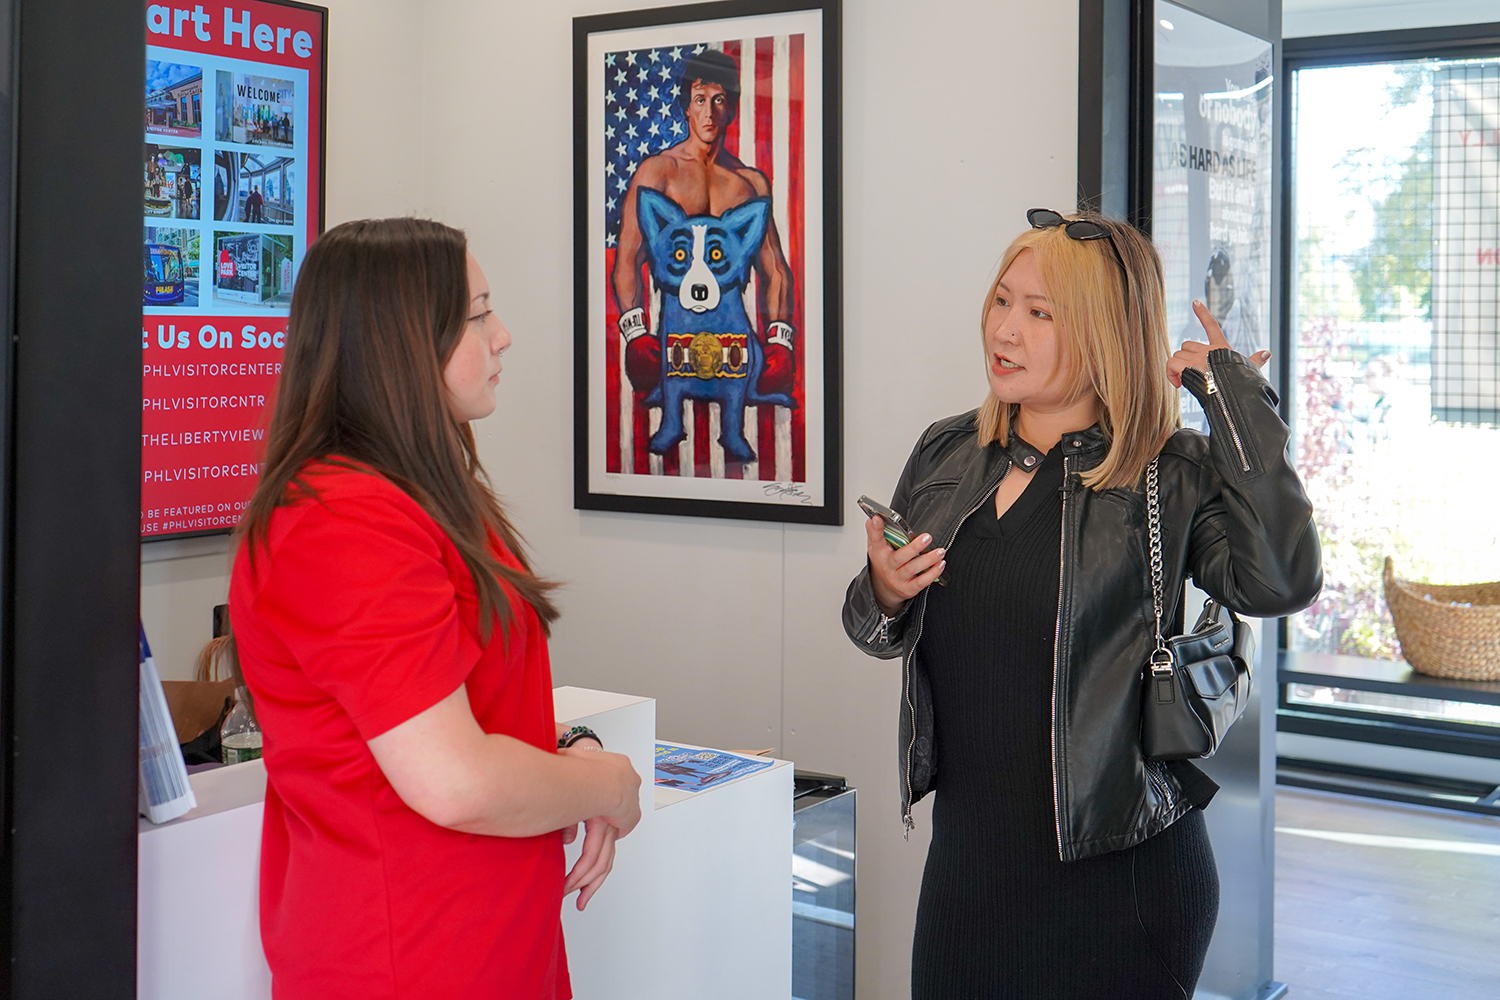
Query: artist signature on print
x=786 y=491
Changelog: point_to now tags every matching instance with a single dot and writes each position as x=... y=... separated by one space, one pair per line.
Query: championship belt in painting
x=708 y=355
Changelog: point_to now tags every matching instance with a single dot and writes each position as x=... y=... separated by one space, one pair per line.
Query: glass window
x=1395 y=283
x=1467 y=712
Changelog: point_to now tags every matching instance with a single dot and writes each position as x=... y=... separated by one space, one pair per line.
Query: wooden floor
x=1381 y=901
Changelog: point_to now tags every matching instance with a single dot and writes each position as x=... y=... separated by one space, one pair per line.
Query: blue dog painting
x=708 y=350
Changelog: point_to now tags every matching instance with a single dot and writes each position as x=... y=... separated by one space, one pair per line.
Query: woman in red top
x=393 y=639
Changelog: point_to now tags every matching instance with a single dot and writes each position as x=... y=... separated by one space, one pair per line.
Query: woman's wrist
x=888 y=606
x=573 y=736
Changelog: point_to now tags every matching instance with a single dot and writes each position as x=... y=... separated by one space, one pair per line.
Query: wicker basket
x=1447 y=631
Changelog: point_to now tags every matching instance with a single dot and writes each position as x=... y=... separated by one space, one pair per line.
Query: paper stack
x=164 y=790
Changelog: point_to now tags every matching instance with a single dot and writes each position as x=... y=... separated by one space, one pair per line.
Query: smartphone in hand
x=897 y=532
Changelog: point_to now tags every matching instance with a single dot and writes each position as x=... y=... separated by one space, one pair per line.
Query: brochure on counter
x=163 y=790
x=691 y=769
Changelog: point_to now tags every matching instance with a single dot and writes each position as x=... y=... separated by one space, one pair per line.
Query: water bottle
x=240 y=736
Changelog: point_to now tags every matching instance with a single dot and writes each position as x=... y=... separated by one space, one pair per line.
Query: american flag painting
x=755 y=148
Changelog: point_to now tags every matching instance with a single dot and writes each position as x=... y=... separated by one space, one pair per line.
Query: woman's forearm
x=512 y=789
x=1254 y=545
x=448 y=770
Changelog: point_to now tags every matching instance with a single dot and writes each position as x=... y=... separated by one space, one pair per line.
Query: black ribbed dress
x=1000 y=915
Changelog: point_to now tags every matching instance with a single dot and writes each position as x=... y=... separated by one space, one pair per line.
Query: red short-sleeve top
x=357 y=615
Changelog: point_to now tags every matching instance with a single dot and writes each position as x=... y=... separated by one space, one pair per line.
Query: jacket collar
x=1072 y=443
x=1082 y=442
x=1023 y=454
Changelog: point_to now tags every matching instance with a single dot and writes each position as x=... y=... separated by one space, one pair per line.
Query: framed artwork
x=706 y=281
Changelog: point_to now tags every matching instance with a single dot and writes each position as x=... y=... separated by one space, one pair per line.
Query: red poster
x=233 y=195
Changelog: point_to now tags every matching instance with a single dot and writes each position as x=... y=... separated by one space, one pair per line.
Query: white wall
x=957 y=118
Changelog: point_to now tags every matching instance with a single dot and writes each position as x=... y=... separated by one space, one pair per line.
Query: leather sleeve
x=861 y=614
x=1254 y=545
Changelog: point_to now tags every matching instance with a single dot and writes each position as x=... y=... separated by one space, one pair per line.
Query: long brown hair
x=379 y=307
x=1116 y=344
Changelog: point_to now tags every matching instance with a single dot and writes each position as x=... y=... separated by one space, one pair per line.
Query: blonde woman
x=1063 y=862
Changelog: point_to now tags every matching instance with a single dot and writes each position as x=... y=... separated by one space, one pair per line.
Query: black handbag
x=1196 y=684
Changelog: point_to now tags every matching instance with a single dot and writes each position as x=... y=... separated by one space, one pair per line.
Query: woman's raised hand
x=898 y=575
x=1195 y=355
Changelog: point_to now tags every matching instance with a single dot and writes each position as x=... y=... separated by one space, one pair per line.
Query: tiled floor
x=1381 y=901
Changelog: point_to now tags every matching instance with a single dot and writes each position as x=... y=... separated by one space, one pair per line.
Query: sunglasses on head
x=1081 y=230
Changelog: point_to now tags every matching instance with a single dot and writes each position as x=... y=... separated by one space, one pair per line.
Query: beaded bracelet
x=575 y=734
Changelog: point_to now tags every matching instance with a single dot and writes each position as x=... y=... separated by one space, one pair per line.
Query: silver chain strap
x=1161 y=657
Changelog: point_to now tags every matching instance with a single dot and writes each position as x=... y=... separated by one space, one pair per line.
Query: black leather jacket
x=1234 y=517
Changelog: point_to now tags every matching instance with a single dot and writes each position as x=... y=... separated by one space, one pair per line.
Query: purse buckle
x=1161 y=662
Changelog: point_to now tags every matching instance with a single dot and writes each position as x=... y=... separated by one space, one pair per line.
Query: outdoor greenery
x=1407 y=490
x=1393 y=275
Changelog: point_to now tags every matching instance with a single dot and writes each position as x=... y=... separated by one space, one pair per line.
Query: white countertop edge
x=570 y=703
x=219 y=790
x=239 y=785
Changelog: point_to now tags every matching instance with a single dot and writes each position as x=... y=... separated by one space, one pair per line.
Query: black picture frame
x=787 y=130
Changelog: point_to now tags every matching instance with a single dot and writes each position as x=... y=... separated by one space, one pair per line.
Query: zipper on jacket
x=907 y=823
x=1062 y=557
x=1234 y=432
x=1160 y=784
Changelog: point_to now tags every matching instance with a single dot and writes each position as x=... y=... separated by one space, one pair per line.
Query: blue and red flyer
x=691 y=769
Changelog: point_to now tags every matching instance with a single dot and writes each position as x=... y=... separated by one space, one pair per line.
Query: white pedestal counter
x=698 y=903
x=197 y=905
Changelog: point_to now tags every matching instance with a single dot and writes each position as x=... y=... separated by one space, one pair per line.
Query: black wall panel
x=71 y=597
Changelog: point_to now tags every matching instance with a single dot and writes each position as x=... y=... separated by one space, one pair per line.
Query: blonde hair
x=1116 y=349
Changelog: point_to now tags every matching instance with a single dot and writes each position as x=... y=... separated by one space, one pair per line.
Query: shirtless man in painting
x=704 y=179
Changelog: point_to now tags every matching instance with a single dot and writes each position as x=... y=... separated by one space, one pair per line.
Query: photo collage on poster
x=223 y=188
